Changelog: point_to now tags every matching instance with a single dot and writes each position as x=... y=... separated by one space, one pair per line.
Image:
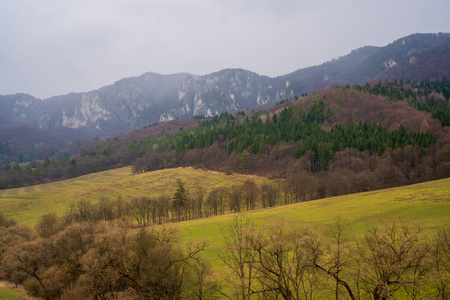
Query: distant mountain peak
x=135 y=102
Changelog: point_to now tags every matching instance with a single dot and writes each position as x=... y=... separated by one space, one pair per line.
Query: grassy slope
x=26 y=205
x=7 y=293
x=427 y=204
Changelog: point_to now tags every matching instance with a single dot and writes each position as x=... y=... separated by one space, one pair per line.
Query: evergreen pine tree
x=179 y=198
x=243 y=159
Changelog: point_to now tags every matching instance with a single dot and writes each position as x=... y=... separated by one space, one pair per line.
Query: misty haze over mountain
x=135 y=102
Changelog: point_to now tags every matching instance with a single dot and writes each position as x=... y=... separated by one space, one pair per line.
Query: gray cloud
x=55 y=47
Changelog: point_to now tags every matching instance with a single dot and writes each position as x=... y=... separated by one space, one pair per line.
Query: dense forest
x=430 y=96
x=340 y=140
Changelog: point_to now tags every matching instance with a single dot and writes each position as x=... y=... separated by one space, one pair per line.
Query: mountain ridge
x=134 y=102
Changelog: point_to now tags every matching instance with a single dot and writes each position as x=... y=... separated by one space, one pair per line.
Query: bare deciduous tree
x=333 y=256
x=141 y=209
x=393 y=258
x=238 y=255
x=29 y=261
x=269 y=194
x=250 y=194
x=199 y=196
x=281 y=260
x=235 y=198
x=48 y=225
x=440 y=260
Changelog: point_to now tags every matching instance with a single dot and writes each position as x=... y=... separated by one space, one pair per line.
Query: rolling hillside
x=27 y=205
x=426 y=204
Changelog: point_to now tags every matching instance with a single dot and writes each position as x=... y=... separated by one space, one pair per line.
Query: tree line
x=184 y=204
x=293 y=133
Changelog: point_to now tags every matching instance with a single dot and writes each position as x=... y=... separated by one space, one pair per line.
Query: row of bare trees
x=188 y=204
x=275 y=260
x=183 y=205
x=281 y=261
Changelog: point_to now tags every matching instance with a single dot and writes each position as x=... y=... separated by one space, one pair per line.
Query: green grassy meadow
x=7 y=293
x=27 y=204
x=427 y=204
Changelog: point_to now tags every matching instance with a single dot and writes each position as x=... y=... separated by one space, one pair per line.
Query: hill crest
x=135 y=102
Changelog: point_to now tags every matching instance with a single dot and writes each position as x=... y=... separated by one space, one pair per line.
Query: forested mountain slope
x=343 y=139
x=336 y=141
x=135 y=102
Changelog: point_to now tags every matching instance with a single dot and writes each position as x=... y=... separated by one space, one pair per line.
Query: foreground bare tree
x=394 y=257
x=278 y=260
x=102 y=264
x=440 y=260
x=271 y=262
x=334 y=256
x=239 y=257
x=282 y=262
x=200 y=283
x=28 y=261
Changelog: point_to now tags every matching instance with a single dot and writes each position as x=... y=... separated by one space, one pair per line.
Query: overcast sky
x=55 y=47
